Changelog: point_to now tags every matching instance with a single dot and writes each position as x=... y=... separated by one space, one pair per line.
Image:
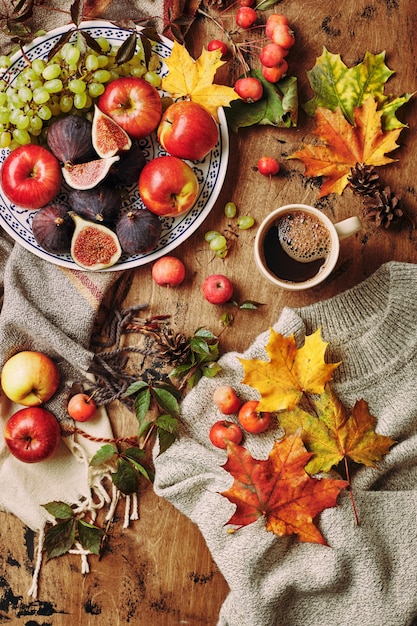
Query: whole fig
x=127 y=169
x=138 y=231
x=52 y=228
x=70 y=139
x=99 y=204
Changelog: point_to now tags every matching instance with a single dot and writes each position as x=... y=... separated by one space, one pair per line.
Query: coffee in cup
x=297 y=246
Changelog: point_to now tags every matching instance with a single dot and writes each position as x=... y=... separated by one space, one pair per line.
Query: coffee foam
x=303 y=237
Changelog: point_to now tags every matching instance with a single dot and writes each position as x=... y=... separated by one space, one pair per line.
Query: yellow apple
x=29 y=378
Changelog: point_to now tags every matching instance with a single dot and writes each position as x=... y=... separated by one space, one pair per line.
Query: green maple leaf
x=337 y=85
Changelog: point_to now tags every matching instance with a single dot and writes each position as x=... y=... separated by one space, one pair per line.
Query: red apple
x=81 y=407
x=217 y=289
x=227 y=400
x=31 y=176
x=168 y=271
x=134 y=104
x=223 y=431
x=188 y=130
x=168 y=186
x=32 y=434
x=29 y=378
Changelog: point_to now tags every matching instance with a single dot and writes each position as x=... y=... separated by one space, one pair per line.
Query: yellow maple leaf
x=191 y=79
x=290 y=371
x=345 y=145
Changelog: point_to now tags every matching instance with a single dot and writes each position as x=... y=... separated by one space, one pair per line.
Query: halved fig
x=70 y=139
x=52 y=228
x=100 y=204
x=87 y=175
x=107 y=136
x=94 y=246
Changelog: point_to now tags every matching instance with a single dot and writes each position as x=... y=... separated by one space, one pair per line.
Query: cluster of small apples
x=30 y=378
x=249 y=419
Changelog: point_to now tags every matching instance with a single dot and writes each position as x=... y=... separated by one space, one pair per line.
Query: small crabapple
x=168 y=271
x=81 y=407
x=223 y=431
x=246 y=17
x=249 y=88
x=283 y=36
x=227 y=400
x=274 y=74
x=272 y=21
x=217 y=44
x=272 y=54
x=268 y=166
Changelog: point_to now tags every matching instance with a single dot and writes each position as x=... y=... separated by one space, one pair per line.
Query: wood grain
x=159 y=572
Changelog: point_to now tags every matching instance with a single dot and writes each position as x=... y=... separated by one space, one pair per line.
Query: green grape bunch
x=66 y=83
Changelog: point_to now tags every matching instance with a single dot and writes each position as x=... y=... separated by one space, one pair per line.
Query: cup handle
x=348 y=227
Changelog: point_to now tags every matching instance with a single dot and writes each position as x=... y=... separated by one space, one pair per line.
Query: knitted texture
x=368 y=573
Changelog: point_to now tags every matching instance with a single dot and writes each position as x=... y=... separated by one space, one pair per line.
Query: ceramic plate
x=210 y=172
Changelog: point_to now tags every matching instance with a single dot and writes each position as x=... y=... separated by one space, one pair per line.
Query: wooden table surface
x=159 y=572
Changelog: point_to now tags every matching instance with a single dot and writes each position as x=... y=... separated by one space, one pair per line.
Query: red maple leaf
x=279 y=489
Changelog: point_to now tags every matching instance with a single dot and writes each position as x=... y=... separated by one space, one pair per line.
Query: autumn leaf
x=337 y=86
x=279 y=489
x=193 y=79
x=290 y=371
x=344 y=145
x=335 y=433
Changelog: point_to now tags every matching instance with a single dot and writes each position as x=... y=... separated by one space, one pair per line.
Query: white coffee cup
x=334 y=233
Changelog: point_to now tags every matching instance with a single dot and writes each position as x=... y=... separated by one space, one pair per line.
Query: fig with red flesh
x=138 y=231
x=100 y=204
x=126 y=170
x=52 y=228
x=87 y=175
x=94 y=246
x=70 y=139
x=107 y=136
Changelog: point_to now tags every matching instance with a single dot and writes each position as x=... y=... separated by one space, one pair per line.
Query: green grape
x=44 y=113
x=70 y=54
x=103 y=43
x=22 y=122
x=4 y=115
x=35 y=123
x=14 y=116
x=222 y=253
x=218 y=243
x=77 y=86
x=80 y=100
x=153 y=79
x=40 y=95
x=66 y=103
x=51 y=71
x=53 y=86
x=25 y=94
x=101 y=76
x=103 y=61
x=211 y=234
x=138 y=71
x=3 y=98
x=95 y=89
x=245 y=222
x=55 y=107
x=5 y=139
x=91 y=62
x=21 y=137
x=15 y=101
x=38 y=65
x=4 y=62
x=230 y=209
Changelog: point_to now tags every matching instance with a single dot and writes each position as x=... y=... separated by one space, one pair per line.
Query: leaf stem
x=352 y=499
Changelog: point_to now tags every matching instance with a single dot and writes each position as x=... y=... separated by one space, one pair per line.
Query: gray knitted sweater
x=367 y=575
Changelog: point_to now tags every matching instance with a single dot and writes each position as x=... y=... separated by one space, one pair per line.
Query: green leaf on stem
x=90 y=536
x=105 y=454
x=59 y=510
x=59 y=538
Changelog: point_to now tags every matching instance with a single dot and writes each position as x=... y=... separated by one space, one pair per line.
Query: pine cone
x=363 y=179
x=174 y=347
x=383 y=207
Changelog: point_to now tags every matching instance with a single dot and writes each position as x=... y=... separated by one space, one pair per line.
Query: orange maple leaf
x=279 y=489
x=345 y=144
x=336 y=434
x=290 y=372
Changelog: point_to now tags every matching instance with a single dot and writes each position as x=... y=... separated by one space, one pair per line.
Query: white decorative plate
x=210 y=172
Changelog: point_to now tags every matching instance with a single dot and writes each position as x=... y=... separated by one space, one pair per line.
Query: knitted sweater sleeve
x=368 y=572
